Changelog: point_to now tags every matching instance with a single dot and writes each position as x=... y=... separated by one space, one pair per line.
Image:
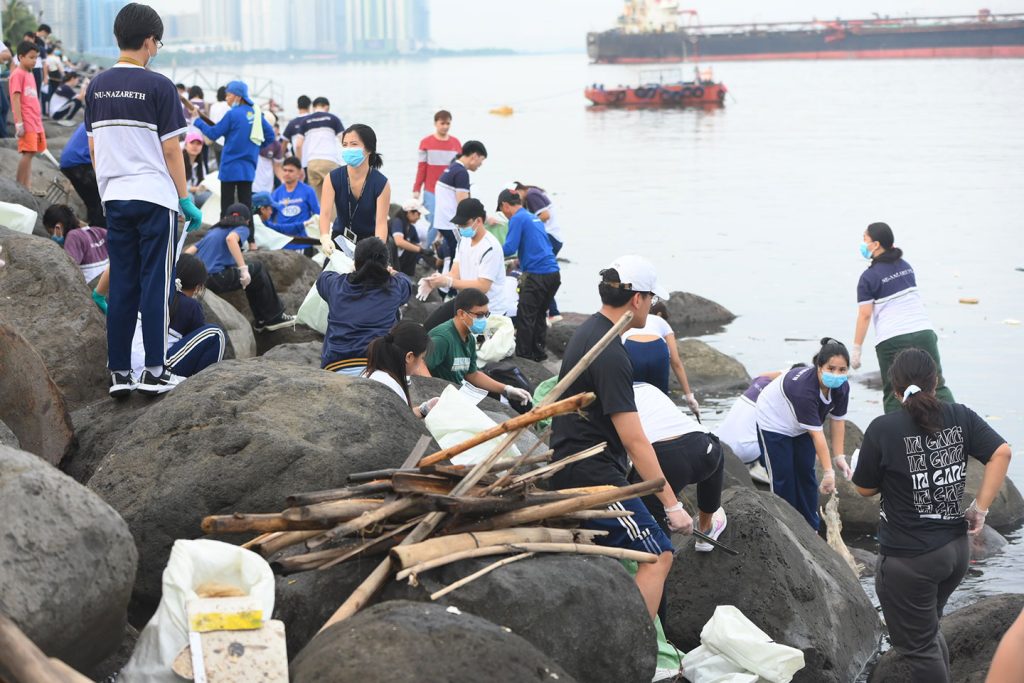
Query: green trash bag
x=669 y=656
x=542 y=390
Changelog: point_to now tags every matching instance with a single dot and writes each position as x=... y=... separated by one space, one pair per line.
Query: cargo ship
x=660 y=31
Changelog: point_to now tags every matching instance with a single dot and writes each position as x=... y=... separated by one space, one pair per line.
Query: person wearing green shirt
x=453 y=349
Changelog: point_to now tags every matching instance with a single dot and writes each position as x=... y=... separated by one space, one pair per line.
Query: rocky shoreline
x=96 y=492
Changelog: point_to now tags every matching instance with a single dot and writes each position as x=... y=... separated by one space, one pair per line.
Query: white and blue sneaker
x=718 y=522
x=154 y=385
x=122 y=384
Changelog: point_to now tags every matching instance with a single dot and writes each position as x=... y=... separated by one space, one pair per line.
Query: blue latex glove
x=193 y=216
x=101 y=301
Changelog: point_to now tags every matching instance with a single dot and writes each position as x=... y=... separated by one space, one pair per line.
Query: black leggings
x=694 y=458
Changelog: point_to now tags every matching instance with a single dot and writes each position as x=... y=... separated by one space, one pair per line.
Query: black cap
x=236 y=216
x=468 y=209
x=510 y=196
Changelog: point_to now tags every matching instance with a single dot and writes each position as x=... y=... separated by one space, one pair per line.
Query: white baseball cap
x=639 y=274
x=415 y=205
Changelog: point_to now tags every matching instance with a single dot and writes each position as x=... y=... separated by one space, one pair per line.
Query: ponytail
x=882 y=233
x=914 y=376
x=387 y=353
x=371 y=262
x=369 y=140
x=830 y=347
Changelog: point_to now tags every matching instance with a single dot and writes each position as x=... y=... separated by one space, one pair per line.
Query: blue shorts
x=639 y=532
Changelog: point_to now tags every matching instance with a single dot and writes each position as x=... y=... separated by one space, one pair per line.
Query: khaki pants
x=317 y=172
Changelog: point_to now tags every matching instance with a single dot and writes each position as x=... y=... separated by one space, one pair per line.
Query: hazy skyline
x=545 y=25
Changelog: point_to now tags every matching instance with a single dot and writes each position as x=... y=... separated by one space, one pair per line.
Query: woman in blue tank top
x=359 y=192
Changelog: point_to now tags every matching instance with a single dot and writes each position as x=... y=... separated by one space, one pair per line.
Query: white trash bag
x=733 y=648
x=456 y=418
x=17 y=217
x=500 y=340
x=313 y=311
x=191 y=564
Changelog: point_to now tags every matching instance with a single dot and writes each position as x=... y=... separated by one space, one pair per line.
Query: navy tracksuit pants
x=790 y=463
x=200 y=348
x=141 y=243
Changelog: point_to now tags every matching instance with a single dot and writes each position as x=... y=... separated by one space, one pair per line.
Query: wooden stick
x=562 y=507
x=379 y=541
x=297 y=563
x=539 y=413
x=418 y=451
x=408 y=555
x=594 y=514
x=549 y=470
x=281 y=541
x=364 y=520
x=332 y=511
x=532 y=460
x=516 y=465
x=262 y=538
x=242 y=523
x=575 y=548
x=20 y=658
x=192 y=109
x=477 y=574
x=362 y=594
x=346 y=492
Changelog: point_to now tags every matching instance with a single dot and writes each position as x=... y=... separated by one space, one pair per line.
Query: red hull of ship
x=664 y=96
x=987 y=52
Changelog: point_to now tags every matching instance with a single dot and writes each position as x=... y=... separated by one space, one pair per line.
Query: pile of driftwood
x=429 y=513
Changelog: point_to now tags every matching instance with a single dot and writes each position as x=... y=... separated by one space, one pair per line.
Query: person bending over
x=221 y=252
x=86 y=245
x=361 y=306
x=453 y=356
x=917 y=458
x=392 y=358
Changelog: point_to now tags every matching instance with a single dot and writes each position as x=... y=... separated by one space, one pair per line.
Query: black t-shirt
x=610 y=376
x=922 y=476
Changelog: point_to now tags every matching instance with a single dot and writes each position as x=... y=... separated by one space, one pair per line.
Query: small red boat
x=701 y=92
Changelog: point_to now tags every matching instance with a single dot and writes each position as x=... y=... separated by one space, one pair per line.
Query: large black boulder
x=786 y=579
x=561 y=332
x=408 y=641
x=584 y=612
x=972 y=634
x=690 y=314
x=708 y=370
x=67 y=561
x=240 y=437
x=98 y=427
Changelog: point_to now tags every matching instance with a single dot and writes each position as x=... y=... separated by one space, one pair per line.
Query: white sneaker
x=759 y=474
x=718 y=522
x=152 y=385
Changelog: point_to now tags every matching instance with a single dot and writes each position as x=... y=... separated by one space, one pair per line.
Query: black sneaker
x=283 y=320
x=121 y=384
x=152 y=385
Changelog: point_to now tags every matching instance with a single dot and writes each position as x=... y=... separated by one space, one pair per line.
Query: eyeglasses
x=159 y=43
x=478 y=316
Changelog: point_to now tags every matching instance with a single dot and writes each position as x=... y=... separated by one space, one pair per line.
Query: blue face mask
x=353 y=156
x=467 y=232
x=478 y=326
x=864 y=251
x=58 y=240
x=833 y=381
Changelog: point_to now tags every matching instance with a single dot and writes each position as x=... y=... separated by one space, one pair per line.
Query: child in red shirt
x=28 y=117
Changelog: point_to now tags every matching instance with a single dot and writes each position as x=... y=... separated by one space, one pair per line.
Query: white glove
x=428 y=405
x=840 y=464
x=423 y=290
x=679 y=520
x=828 y=482
x=516 y=394
x=19 y=130
x=326 y=245
x=244 y=277
x=855 y=358
x=694 y=406
x=975 y=517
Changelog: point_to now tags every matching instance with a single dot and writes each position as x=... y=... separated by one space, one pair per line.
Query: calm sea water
x=759 y=206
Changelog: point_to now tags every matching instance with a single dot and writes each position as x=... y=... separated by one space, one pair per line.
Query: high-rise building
x=385 y=26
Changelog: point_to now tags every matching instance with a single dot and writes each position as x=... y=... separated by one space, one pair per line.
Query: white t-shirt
x=486 y=260
x=739 y=430
x=660 y=417
x=264 y=179
x=388 y=381
x=217 y=111
x=655 y=326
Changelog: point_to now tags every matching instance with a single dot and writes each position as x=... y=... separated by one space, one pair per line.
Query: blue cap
x=261 y=199
x=240 y=89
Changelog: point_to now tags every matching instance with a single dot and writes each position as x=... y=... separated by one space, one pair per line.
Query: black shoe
x=151 y=385
x=283 y=320
x=121 y=384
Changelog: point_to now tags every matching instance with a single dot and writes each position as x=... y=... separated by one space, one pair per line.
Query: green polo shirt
x=450 y=357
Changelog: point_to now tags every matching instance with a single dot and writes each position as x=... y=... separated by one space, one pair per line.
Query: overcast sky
x=542 y=25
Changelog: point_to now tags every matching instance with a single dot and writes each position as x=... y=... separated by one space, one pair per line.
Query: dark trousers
x=68 y=111
x=790 y=463
x=140 y=241
x=913 y=592
x=240 y=192
x=650 y=361
x=83 y=179
x=927 y=341
x=694 y=458
x=5 y=106
x=556 y=247
x=536 y=292
x=198 y=349
x=266 y=306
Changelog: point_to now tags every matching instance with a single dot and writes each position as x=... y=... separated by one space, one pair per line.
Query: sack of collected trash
x=17 y=217
x=499 y=340
x=192 y=564
x=313 y=311
x=734 y=650
x=456 y=418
